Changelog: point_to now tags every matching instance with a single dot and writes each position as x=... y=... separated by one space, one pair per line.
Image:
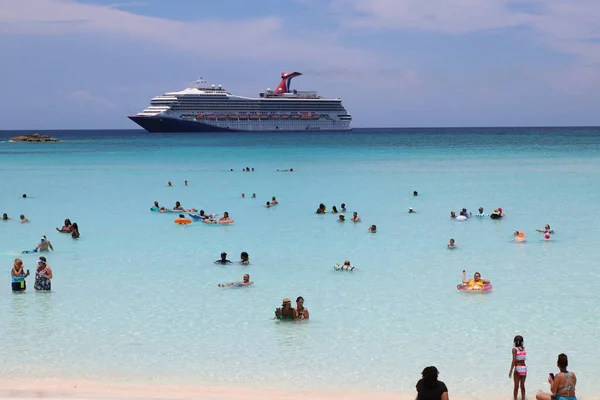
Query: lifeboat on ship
x=199 y=116
x=285 y=116
x=264 y=116
x=316 y=116
x=305 y=116
x=295 y=116
x=232 y=116
x=253 y=116
x=274 y=116
x=243 y=116
x=211 y=116
x=222 y=116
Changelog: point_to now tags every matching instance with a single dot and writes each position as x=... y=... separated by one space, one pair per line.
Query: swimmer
x=156 y=205
x=451 y=245
x=223 y=259
x=185 y=183
x=301 y=311
x=355 y=217
x=286 y=170
x=23 y=219
x=415 y=193
x=343 y=207
x=476 y=283
x=44 y=244
x=245 y=259
x=5 y=217
x=341 y=218
x=244 y=282
x=243 y=195
x=546 y=229
x=520 y=236
x=411 y=210
x=225 y=218
x=347 y=265
x=66 y=227
x=373 y=229
x=75 y=231
x=253 y=195
x=268 y=204
x=169 y=183
x=480 y=210
x=321 y=209
x=24 y=196
x=178 y=206
x=334 y=210
x=452 y=214
x=274 y=201
x=286 y=312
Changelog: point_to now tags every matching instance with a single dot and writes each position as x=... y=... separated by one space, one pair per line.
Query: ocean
x=135 y=299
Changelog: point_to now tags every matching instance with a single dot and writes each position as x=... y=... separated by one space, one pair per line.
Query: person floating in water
x=268 y=204
x=24 y=196
x=23 y=219
x=5 y=217
x=169 y=183
x=185 y=183
x=411 y=210
x=373 y=229
x=286 y=170
x=451 y=245
x=476 y=283
x=341 y=218
x=253 y=195
x=274 y=201
x=343 y=207
x=244 y=282
x=223 y=259
x=415 y=193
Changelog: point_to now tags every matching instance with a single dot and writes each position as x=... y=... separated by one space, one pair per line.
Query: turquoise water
x=135 y=299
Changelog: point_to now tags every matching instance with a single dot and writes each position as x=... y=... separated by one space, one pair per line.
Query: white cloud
x=262 y=38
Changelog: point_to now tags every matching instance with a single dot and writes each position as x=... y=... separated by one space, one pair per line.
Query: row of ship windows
x=257 y=109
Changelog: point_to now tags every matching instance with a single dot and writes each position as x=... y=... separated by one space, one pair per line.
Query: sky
x=88 y=64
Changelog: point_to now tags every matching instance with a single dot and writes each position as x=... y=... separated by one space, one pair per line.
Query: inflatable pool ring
x=482 y=215
x=461 y=218
x=495 y=216
x=228 y=221
x=342 y=267
x=547 y=236
x=154 y=209
x=183 y=221
x=474 y=289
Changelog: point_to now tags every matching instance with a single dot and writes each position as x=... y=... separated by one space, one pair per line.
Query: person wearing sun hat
x=43 y=275
x=286 y=312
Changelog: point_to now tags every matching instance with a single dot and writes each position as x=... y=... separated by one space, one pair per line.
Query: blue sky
x=88 y=64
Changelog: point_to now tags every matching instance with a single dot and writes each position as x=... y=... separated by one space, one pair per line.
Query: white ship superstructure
x=210 y=108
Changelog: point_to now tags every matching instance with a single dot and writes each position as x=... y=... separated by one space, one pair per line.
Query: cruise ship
x=210 y=108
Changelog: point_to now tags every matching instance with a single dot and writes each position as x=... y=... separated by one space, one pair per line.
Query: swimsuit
x=565 y=386
x=41 y=281
x=521 y=355
x=18 y=283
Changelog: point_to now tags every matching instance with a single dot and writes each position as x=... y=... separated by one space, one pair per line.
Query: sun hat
x=41 y=260
x=286 y=300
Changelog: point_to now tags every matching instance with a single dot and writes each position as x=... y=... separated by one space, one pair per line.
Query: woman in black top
x=429 y=388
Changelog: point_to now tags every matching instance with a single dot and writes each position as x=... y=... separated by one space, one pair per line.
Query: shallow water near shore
x=135 y=299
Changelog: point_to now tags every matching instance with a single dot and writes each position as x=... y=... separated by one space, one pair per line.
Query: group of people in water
x=43 y=276
x=288 y=313
x=322 y=209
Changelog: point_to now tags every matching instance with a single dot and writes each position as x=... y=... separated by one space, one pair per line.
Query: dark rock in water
x=34 y=137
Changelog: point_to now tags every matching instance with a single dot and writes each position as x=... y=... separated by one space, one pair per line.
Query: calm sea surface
x=135 y=299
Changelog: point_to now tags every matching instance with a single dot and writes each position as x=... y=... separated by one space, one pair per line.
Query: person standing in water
x=43 y=275
x=43 y=245
x=18 y=276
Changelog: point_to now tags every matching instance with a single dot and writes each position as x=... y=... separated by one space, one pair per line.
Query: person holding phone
x=518 y=366
x=18 y=276
x=562 y=386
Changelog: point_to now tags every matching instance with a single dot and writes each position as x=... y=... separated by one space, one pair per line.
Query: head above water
x=477 y=276
x=480 y=210
x=24 y=196
x=244 y=255
x=518 y=341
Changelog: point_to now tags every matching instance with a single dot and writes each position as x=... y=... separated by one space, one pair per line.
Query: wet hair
x=334 y=208
x=343 y=205
x=75 y=226
x=518 y=340
x=177 y=203
x=562 y=361
x=415 y=193
x=181 y=216
x=244 y=255
x=299 y=297
x=477 y=273
x=273 y=198
x=24 y=196
x=68 y=222
x=430 y=376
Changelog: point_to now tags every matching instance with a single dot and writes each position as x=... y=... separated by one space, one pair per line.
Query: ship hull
x=173 y=125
